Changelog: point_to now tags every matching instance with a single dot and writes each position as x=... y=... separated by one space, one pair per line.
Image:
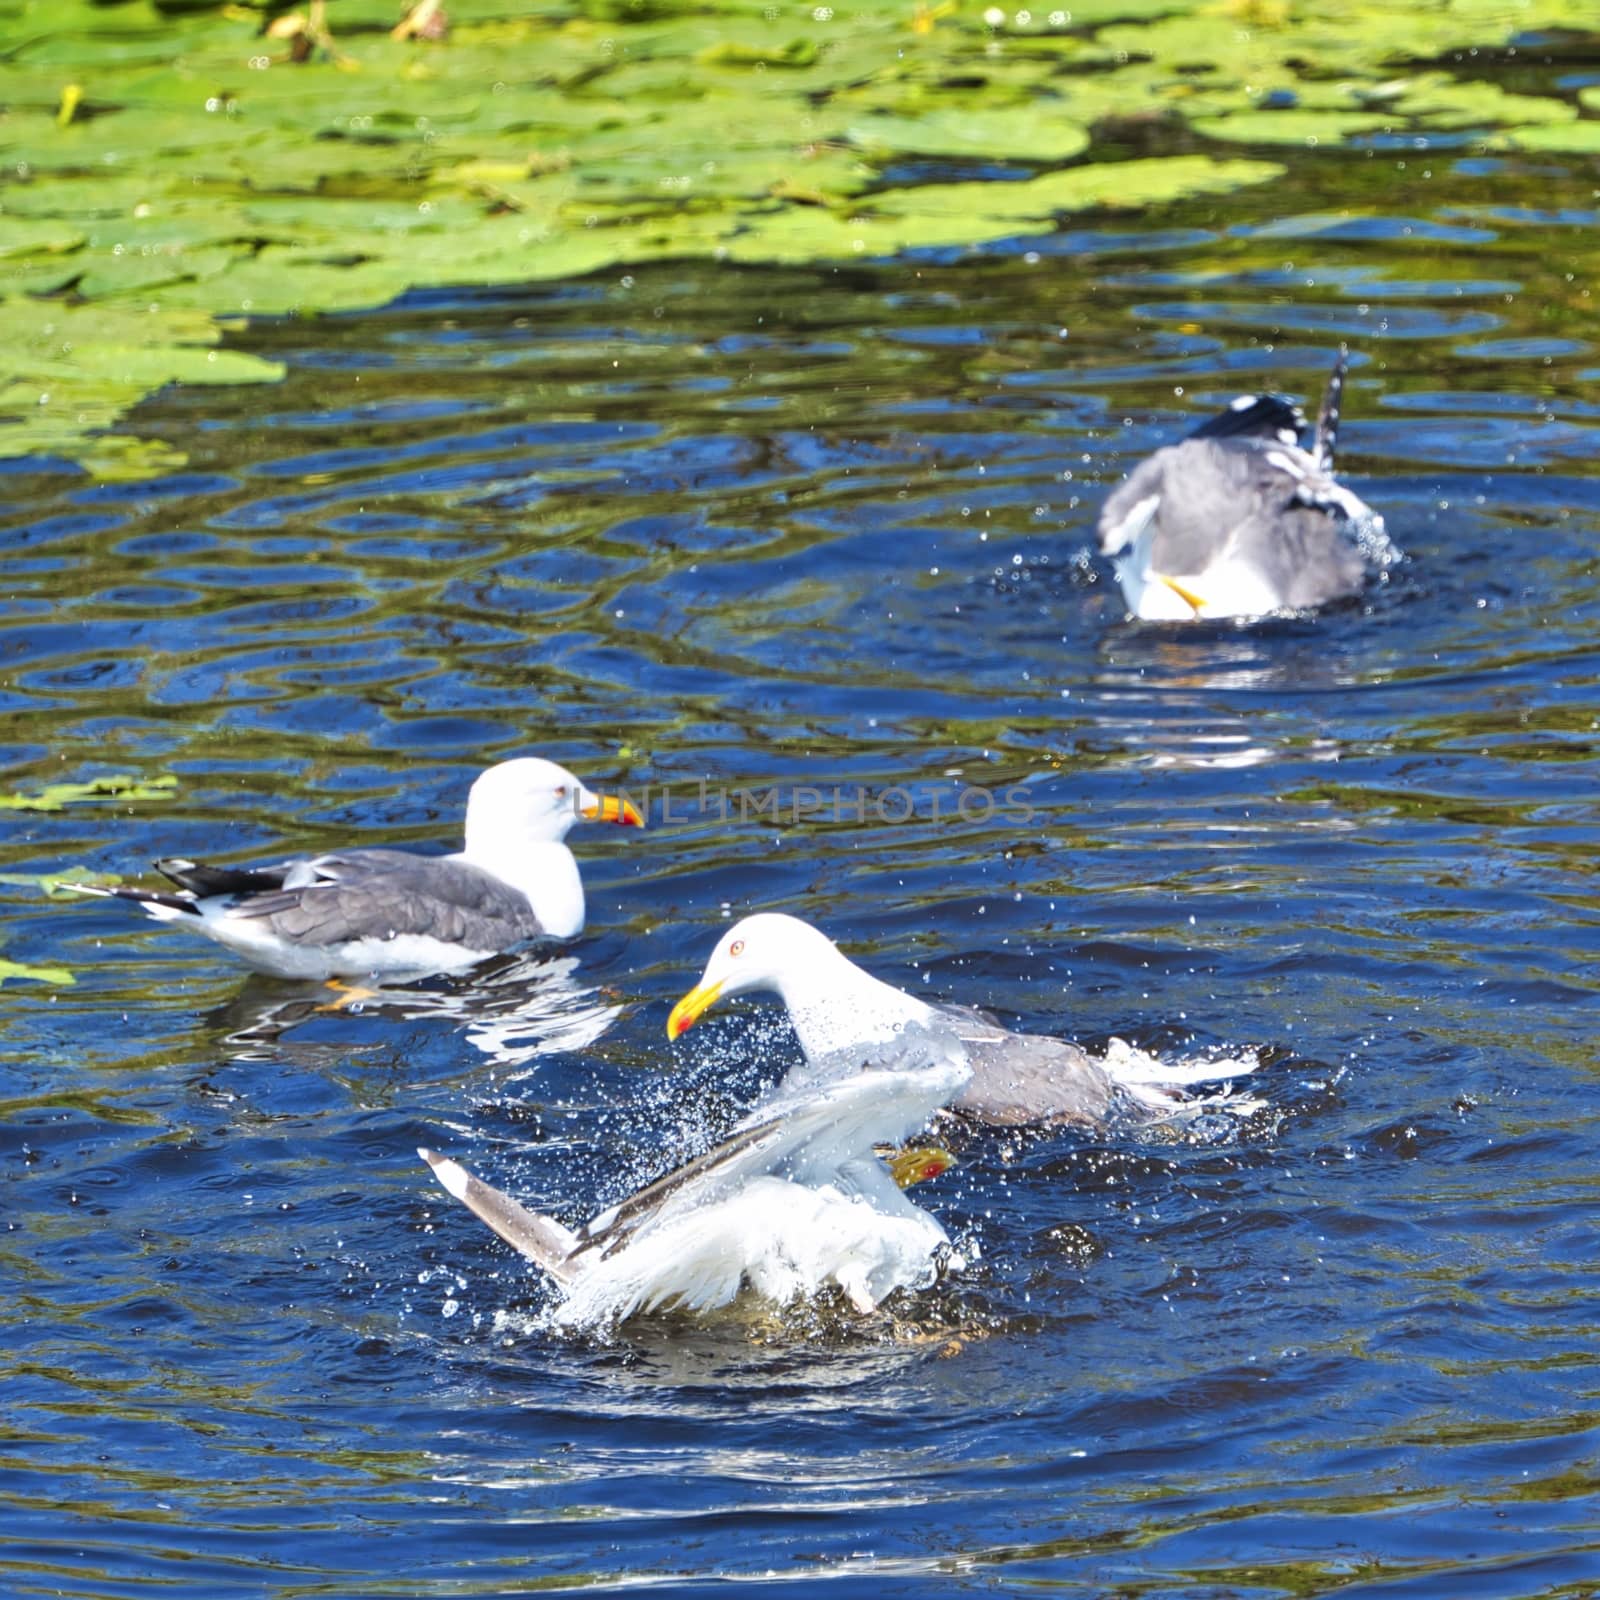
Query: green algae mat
x=167 y=169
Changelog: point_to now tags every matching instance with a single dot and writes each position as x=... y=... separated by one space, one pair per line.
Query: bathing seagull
x=793 y=1201
x=390 y=913
x=1017 y=1078
x=1241 y=518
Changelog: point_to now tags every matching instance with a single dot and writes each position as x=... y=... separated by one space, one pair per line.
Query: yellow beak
x=610 y=809
x=1195 y=602
x=692 y=1007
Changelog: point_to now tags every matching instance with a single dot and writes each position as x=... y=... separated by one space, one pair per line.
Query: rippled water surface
x=829 y=529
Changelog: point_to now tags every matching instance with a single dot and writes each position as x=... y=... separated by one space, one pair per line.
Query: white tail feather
x=1129 y=1065
x=164 y=913
x=153 y=907
x=1163 y=1085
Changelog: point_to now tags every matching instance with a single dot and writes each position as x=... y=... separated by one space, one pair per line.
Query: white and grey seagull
x=390 y=913
x=1017 y=1079
x=1243 y=518
x=793 y=1202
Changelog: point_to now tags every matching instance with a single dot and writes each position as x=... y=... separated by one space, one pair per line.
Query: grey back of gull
x=1240 y=519
x=385 y=894
x=1023 y=1078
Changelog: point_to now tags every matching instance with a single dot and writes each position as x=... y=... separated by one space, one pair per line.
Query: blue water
x=829 y=528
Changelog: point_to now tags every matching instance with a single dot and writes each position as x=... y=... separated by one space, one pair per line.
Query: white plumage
x=370 y=912
x=792 y=1202
x=1016 y=1078
x=1241 y=519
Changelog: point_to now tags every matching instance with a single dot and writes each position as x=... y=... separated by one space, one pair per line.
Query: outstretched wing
x=750 y=1149
x=538 y=1237
x=809 y=1131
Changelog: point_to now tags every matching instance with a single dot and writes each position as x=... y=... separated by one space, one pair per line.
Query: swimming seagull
x=794 y=1201
x=1017 y=1079
x=1241 y=518
x=389 y=912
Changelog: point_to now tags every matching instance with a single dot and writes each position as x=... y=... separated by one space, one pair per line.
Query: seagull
x=794 y=1201
x=388 y=913
x=1016 y=1079
x=1241 y=519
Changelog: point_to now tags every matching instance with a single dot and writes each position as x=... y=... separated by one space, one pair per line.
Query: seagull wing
x=540 y=1238
x=1255 y=416
x=382 y=894
x=1020 y=1078
x=811 y=1132
x=1327 y=435
x=201 y=879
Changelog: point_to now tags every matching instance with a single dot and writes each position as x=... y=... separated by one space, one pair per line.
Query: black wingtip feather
x=199 y=878
x=1264 y=416
x=154 y=897
x=1327 y=436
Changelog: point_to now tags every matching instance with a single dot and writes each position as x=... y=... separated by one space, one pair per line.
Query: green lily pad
x=1571 y=138
x=110 y=273
x=205 y=175
x=28 y=236
x=56 y=796
x=732 y=53
x=799 y=234
x=1443 y=102
x=1293 y=127
x=1032 y=133
x=18 y=969
x=1120 y=184
x=120 y=458
x=73 y=367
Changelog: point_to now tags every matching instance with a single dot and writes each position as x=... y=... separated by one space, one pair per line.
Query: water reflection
x=513 y=1010
x=1220 y=696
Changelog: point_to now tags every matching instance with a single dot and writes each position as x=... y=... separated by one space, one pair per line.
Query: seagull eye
x=561 y=791
x=736 y=948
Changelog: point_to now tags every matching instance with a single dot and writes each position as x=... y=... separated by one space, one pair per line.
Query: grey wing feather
x=539 y=1238
x=1146 y=482
x=380 y=894
x=1021 y=1078
x=1276 y=507
x=747 y=1146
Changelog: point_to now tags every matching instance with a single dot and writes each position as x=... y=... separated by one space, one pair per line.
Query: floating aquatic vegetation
x=57 y=885
x=169 y=166
x=20 y=969
x=118 y=786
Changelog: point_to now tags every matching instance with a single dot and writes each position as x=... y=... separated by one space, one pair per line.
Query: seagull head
x=531 y=800
x=766 y=951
